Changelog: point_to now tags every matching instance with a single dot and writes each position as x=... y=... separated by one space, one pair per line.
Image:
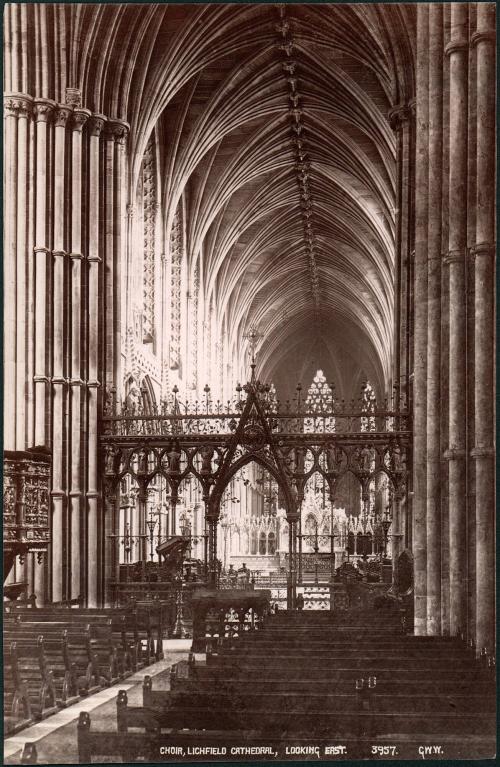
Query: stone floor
x=56 y=738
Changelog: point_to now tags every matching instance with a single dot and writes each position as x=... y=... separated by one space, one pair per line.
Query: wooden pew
x=102 y=644
x=125 y=632
x=56 y=658
x=16 y=704
x=81 y=656
x=38 y=680
x=146 y=746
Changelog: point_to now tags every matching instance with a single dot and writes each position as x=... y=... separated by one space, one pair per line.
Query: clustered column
x=454 y=529
x=54 y=349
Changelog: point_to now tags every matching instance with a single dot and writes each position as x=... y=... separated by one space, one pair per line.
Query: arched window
x=271 y=543
x=148 y=396
x=368 y=405
x=320 y=399
x=262 y=543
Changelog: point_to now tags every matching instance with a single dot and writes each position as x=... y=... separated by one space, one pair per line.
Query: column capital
x=454 y=256
x=483 y=36
x=96 y=124
x=79 y=118
x=483 y=249
x=117 y=130
x=398 y=115
x=456 y=46
x=61 y=116
x=17 y=105
x=43 y=109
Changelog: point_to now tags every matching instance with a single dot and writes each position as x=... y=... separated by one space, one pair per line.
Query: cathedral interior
x=249 y=375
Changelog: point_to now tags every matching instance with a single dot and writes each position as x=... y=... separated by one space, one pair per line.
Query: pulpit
x=25 y=506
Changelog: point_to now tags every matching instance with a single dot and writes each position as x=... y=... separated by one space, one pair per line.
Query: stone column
x=108 y=257
x=484 y=316
x=43 y=109
x=59 y=341
x=111 y=540
x=93 y=383
x=445 y=328
x=400 y=121
x=433 y=480
x=79 y=118
x=12 y=106
x=419 y=536
x=20 y=294
x=457 y=50
x=39 y=569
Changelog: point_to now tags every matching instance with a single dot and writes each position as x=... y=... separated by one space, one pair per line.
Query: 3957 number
x=384 y=750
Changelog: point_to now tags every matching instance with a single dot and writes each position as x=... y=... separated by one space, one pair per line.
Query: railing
x=172 y=418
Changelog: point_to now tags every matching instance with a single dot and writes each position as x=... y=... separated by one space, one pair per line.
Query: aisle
x=56 y=738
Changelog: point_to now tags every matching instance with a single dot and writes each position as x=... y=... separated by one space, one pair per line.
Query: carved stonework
x=79 y=118
x=175 y=290
x=149 y=207
x=194 y=326
x=73 y=97
x=61 y=116
x=26 y=502
x=17 y=106
x=96 y=124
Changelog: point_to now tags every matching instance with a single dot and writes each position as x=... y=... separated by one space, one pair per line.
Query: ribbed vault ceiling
x=310 y=262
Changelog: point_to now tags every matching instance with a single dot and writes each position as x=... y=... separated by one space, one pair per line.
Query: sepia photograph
x=249 y=380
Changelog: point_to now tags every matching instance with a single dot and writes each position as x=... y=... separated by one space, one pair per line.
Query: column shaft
x=457 y=241
x=79 y=118
x=12 y=106
x=420 y=322
x=433 y=479
x=484 y=275
x=93 y=560
x=42 y=111
x=21 y=261
x=59 y=345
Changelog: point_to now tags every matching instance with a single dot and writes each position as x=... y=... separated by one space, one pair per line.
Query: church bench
x=56 y=658
x=36 y=677
x=81 y=656
x=145 y=746
x=137 y=630
x=125 y=632
x=16 y=703
x=103 y=646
